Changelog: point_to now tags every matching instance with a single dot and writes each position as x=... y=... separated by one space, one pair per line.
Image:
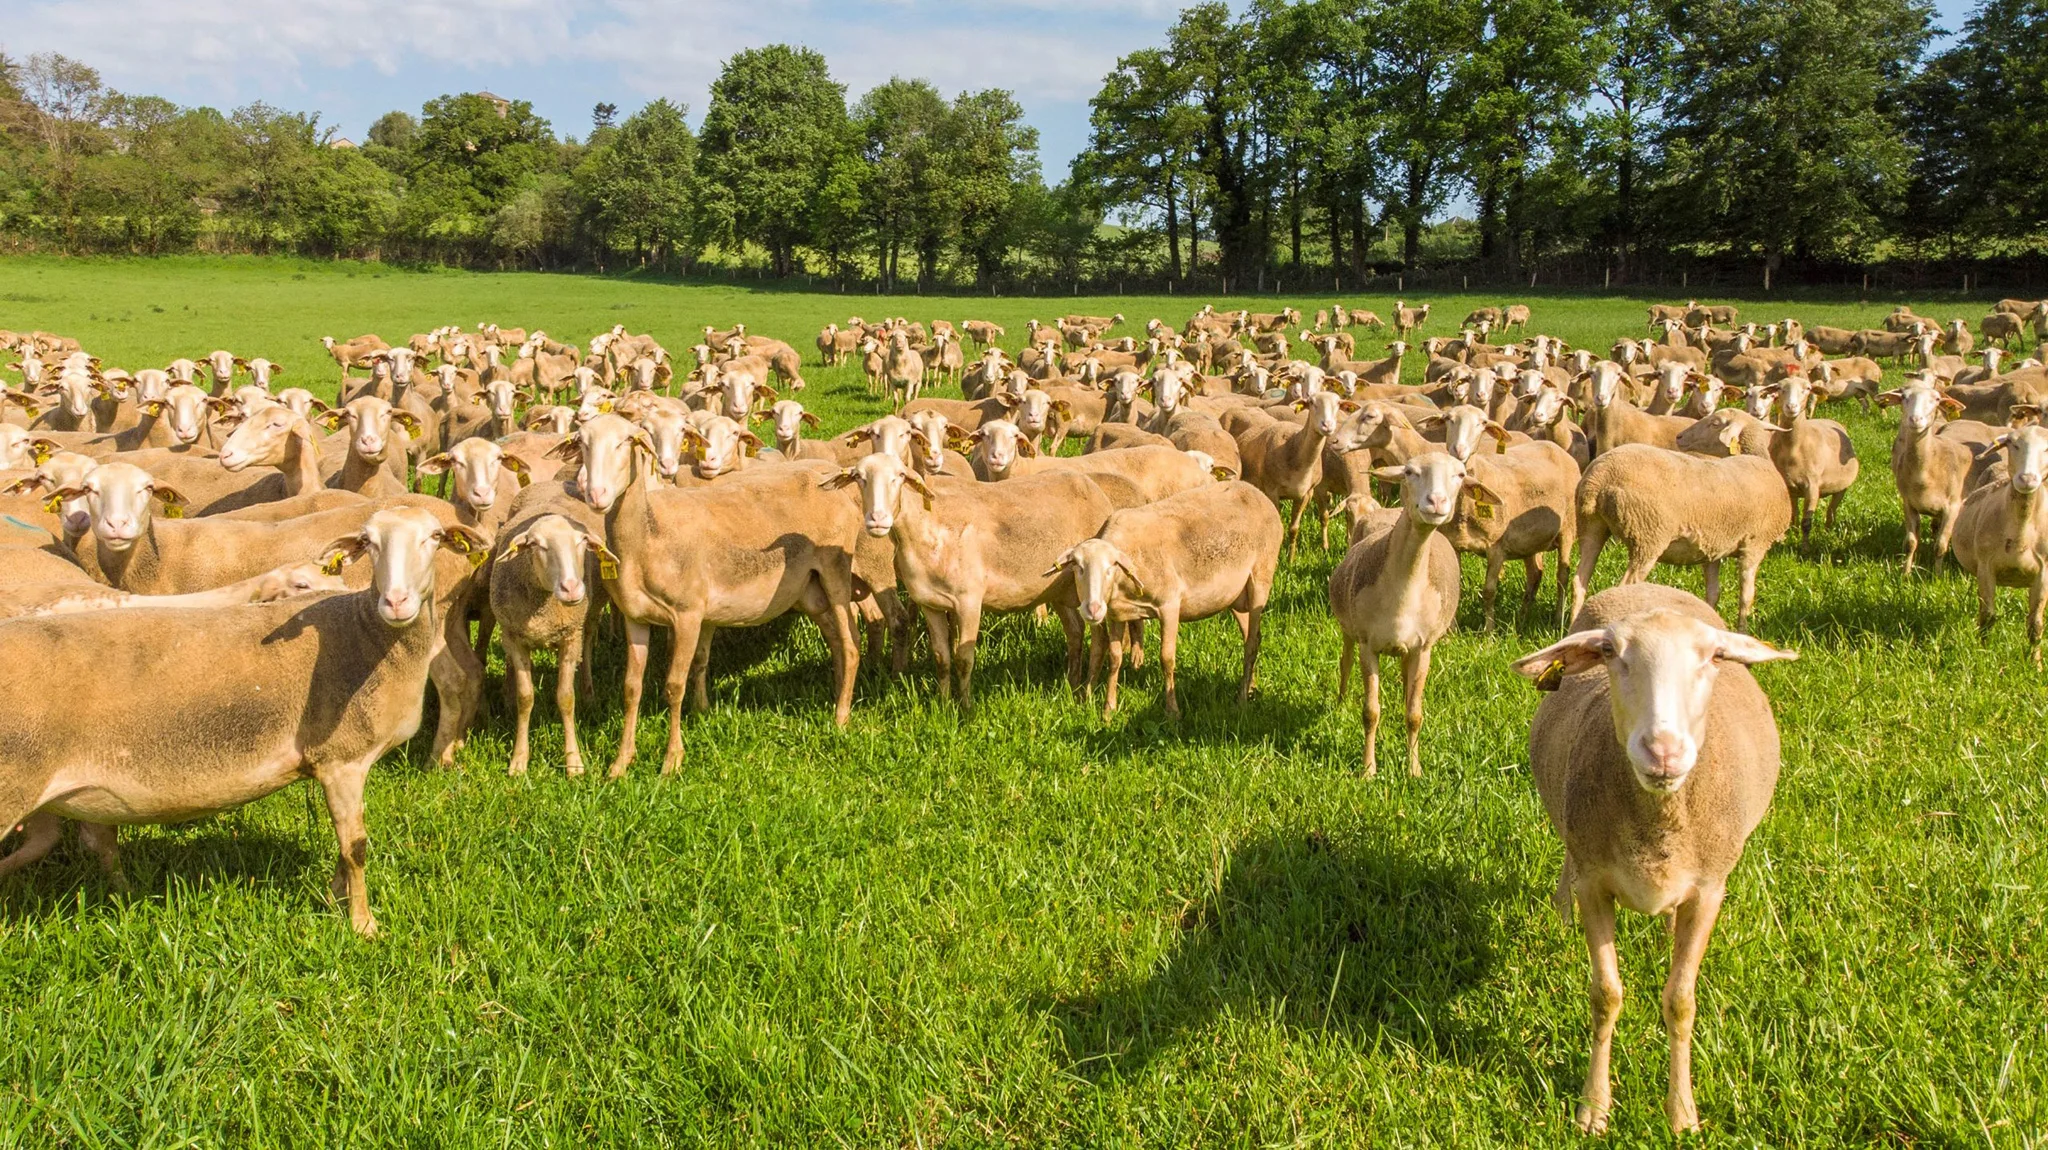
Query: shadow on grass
x=1322 y=936
x=213 y=852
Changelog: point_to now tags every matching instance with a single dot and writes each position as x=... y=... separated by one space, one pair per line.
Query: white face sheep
x=1656 y=755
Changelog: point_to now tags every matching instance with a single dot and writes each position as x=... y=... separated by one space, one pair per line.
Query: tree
x=1528 y=71
x=640 y=184
x=1979 y=126
x=991 y=153
x=1416 y=51
x=65 y=97
x=900 y=124
x=1785 y=135
x=1632 y=48
x=1142 y=141
x=1209 y=52
x=776 y=124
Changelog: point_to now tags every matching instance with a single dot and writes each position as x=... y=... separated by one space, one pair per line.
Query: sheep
x=1895 y=346
x=1814 y=456
x=375 y=464
x=835 y=344
x=1380 y=372
x=541 y=582
x=1485 y=314
x=138 y=551
x=789 y=419
x=1729 y=431
x=1200 y=431
x=982 y=332
x=1396 y=590
x=485 y=481
x=1656 y=755
x=2004 y=328
x=1286 y=461
x=72 y=597
x=1956 y=339
x=1831 y=340
x=1684 y=510
x=762 y=542
x=1533 y=510
x=1617 y=422
x=1665 y=313
x=1186 y=557
x=2001 y=533
x=1930 y=470
x=954 y=567
x=353 y=353
x=1515 y=317
x=1407 y=319
x=1852 y=376
x=319 y=687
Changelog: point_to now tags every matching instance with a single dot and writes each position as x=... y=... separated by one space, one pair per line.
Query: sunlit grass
x=1031 y=927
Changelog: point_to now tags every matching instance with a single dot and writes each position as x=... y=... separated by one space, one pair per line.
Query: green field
x=1030 y=927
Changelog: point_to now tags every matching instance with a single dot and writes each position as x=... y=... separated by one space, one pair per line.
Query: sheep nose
x=398 y=605
x=879 y=525
x=1095 y=612
x=1666 y=755
x=2026 y=482
x=569 y=590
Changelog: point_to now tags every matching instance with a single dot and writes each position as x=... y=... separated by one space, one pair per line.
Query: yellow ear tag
x=52 y=504
x=1552 y=676
x=174 y=511
x=333 y=565
x=1481 y=509
x=478 y=558
x=607 y=567
x=42 y=456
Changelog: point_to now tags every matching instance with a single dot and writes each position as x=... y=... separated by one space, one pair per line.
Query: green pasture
x=1031 y=927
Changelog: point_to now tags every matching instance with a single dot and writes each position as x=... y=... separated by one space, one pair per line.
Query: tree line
x=1325 y=137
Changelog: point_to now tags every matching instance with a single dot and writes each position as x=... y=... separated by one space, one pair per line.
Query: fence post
x=1606 y=279
x=1468 y=283
x=1401 y=284
x=1767 y=277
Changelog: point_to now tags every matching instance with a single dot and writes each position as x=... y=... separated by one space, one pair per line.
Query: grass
x=1031 y=927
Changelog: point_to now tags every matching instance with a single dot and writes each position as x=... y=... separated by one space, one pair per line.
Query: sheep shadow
x=217 y=851
x=1327 y=937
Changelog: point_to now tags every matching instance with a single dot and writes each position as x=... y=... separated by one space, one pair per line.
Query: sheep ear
x=463 y=540
x=1568 y=656
x=808 y=420
x=752 y=442
x=1393 y=474
x=846 y=477
x=923 y=489
x=1950 y=404
x=342 y=552
x=333 y=418
x=435 y=464
x=515 y=545
x=1739 y=648
x=570 y=450
x=1060 y=564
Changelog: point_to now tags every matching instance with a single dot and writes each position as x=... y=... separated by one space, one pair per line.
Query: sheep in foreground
x=1534 y=486
x=954 y=567
x=1930 y=469
x=1186 y=557
x=1656 y=754
x=314 y=688
x=542 y=581
x=1396 y=589
x=1814 y=456
x=1685 y=510
x=2001 y=534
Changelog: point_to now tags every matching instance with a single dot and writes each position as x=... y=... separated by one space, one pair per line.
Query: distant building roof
x=503 y=105
x=341 y=142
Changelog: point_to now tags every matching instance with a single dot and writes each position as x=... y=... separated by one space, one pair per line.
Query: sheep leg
x=1134 y=642
x=1751 y=562
x=1414 y=674
x=1169 y=653
x=1642 y=559
x=1944 y=535
x=1370 y=669
x=1561 y=900
x=104 y=841
x=637 y=635
x=2037 y=604
x=1252 y=623
x=486 y=623
x=343 y=784
x=700 y=670
x=1596 y=1097
x=848 y=662
x=963 y=651
x=691 y=642
x=898 y=621
x=1987 y=601
x=569 y=665
x=1712 y=571
x=519 y=664
x=1834 y=505
x=1098 y=646
x=1077 y=634
x=1532 y=582
x=1294 y=528
x=459 y=684
x=1590 y=545
x=1115 y=643
x=1344 y=667
x=938 y=623
x=39 y=832
x=1912 y=537
x=1495 y=560
x=1693 y=927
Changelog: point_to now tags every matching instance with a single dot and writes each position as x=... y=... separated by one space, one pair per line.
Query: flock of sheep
x=201 y=516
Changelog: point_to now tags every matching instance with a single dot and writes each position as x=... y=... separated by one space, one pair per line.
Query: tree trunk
x=1172 y=230
x=1411 y=211
x=1336 y=216
x=1489 y=216
x=1294 y=218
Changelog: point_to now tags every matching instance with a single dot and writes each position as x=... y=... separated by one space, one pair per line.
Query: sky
x=353 y=60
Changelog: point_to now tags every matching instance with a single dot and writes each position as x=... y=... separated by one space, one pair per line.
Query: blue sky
x=353 y=60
